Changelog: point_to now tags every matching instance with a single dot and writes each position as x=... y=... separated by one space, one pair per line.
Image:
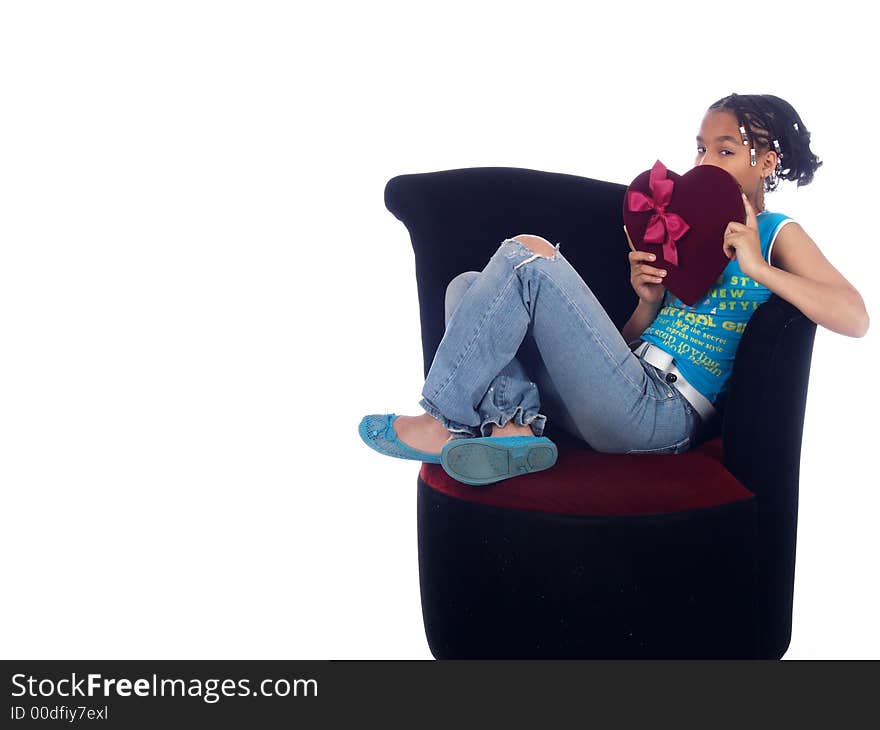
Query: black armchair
x=604 y=556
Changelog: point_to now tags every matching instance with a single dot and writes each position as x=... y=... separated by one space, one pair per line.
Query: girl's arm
x=801 y=275
x=638 y=322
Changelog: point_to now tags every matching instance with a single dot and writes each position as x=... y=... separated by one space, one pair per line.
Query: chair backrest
x=458 y=218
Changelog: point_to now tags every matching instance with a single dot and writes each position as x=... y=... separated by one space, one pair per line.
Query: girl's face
x=719 y=143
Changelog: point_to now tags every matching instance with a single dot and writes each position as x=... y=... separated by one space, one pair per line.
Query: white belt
x=662 y=360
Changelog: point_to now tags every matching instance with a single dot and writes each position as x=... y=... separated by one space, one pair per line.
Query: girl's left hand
x=742 y=243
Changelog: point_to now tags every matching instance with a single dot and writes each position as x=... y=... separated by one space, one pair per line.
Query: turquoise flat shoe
x=488 y=459
x=378 y=433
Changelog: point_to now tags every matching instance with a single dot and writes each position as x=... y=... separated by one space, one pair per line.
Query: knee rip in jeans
x=532 y=246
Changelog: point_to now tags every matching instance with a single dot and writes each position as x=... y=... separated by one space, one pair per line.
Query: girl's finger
x=649 y=270
x=641 y=256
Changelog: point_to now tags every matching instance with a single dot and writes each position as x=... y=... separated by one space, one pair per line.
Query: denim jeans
x=526 y=335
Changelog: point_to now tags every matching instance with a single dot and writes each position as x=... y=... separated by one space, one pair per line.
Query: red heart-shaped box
x=684 y=217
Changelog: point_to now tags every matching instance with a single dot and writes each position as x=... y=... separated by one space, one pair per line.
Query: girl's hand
x=645 y=279
x=742 y=243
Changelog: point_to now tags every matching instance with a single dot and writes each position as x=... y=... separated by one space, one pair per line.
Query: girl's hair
x=767 y=118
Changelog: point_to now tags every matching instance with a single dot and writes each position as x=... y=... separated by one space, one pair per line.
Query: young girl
x=529 y=311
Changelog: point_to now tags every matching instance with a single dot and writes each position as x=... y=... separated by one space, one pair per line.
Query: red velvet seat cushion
x=587 y=482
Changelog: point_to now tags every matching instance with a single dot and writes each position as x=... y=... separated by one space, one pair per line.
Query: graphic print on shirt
x=703 y=338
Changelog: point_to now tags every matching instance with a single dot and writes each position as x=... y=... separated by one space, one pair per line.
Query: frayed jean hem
x=536 y=420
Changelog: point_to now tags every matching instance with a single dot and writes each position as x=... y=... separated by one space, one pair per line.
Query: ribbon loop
x=664 y=227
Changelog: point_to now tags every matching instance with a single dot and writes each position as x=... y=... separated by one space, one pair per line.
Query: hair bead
x=776 y=147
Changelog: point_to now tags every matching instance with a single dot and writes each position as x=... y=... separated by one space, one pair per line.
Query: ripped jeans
x=525 y=313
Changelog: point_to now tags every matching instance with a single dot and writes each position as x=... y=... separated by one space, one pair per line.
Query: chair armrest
x=763 y=414
x=761 y=434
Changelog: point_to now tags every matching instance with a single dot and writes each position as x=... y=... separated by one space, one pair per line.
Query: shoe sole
x=485 y=463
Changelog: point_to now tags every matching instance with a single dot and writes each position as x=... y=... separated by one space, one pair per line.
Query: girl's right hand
x=645 y=279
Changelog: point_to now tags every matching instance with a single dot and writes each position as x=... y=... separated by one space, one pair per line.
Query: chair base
x=501 y=583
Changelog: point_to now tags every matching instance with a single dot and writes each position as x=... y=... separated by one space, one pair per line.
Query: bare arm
x=643 y=315
x=802 y=275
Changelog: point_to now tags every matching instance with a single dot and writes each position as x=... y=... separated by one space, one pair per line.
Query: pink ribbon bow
x=665 y=228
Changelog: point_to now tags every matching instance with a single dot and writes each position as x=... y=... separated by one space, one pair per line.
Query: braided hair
x=767 y=122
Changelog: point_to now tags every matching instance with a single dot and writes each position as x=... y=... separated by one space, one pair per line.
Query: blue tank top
x=703 y=338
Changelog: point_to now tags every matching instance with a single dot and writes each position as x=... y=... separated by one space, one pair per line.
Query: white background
x=201 y=293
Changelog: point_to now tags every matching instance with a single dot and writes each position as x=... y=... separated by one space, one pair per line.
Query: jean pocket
x=676 y=448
